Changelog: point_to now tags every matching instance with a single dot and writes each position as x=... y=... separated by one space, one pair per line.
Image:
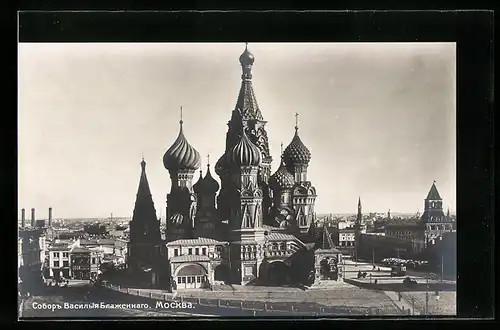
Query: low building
x=59 y=261
x=407 y=231
x=196 y=262
x=84 y=264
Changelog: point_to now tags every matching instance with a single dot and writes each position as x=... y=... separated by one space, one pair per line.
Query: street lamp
x=437 y=301
x=442 y=257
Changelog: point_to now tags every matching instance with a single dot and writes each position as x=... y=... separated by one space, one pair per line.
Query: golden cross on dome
x=181 y=116
x=296 y=120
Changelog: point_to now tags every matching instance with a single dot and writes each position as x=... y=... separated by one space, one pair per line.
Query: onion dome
x=181 y=155
x=197 y=187
x=245 y=153
x=220 y=166
x=296 y=153
x=246 y=59
x=281 y=179
x=209 y=184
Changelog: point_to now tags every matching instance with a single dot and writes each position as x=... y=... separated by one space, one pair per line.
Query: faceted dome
x=181 y=155
x=246 y=58
x=281 y=179
x=245 y=153
x=296 y=153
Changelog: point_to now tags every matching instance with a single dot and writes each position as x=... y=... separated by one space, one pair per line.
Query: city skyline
x=89 y=112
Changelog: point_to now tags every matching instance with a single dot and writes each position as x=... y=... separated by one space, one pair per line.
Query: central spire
x=296 y=122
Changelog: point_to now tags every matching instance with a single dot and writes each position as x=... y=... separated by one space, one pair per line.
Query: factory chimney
x=33 y=221
x=50 y=217
x=23 y=217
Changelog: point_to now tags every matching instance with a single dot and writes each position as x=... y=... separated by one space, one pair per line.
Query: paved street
x=412 y=298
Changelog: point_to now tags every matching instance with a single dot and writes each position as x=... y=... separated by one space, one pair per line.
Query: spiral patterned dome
x=181 y=155
x=246 y=58
x=245 y=153
x=296 y=153
x=281 y=179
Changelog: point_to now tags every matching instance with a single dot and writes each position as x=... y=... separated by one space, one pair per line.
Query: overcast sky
x=379 y=119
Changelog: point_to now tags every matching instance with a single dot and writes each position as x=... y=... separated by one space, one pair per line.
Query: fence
x=269 y=308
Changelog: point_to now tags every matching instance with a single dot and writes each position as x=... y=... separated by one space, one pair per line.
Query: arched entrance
x=221 y=273
x=190 y=276
x=277 y=273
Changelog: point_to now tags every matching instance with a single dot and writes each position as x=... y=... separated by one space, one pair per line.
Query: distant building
x=69 y=260
x=84 y=264
x=411 y=238
x=432 y=224
x=30 y=243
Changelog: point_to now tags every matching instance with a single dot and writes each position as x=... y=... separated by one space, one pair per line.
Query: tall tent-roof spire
x=247 y=107
x=326 y=240
x=433 y=192
x=144 y=210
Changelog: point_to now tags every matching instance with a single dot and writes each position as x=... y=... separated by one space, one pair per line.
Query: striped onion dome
x=177 y=218
x=281 y=179
x=296 y=153
x=244 y=153
x=181 y=155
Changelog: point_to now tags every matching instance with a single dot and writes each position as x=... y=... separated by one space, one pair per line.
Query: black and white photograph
x=246 y=179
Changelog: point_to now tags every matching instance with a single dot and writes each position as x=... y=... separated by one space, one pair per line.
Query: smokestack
x=23 y=218
x=50 y=217
x=33 y=218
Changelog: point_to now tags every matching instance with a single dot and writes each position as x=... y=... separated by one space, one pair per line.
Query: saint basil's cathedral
x=255 y=227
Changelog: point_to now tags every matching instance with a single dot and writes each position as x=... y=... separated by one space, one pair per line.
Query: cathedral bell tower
x=247 y=116
x=181 y=160
x=297 y=157
x=282 y=183
x=207 y=222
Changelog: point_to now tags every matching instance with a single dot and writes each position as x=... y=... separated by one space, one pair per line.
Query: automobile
x=398 y=270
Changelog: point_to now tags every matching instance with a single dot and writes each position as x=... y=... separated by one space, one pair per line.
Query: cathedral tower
x=145 y=238
x=282 y=183
x=181 y=160
x=297 y=157
x=247 y=116
x=207 y=222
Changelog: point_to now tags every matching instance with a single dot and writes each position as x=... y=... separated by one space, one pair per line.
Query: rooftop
x=195 y=241
x=189 y=258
